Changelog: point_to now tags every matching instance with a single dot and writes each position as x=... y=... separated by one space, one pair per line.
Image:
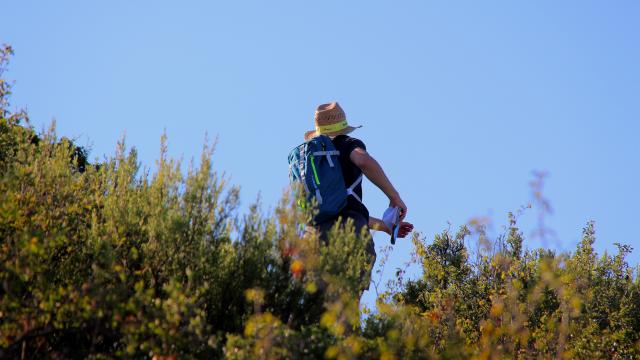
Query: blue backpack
x=316 y=165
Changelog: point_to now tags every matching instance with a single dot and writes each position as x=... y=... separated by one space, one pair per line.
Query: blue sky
x=460 y=100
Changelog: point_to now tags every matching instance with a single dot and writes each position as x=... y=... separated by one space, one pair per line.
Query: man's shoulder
x=349 y=142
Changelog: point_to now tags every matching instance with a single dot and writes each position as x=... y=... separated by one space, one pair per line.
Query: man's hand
x=377 y=224
x=397 y=201
x=405 y=229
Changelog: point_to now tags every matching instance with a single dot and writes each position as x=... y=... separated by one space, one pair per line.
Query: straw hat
x=330 y=120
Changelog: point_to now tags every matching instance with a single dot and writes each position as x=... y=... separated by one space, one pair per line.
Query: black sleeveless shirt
x=346 y=144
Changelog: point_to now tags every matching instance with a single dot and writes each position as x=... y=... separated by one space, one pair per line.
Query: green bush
x=111 y=261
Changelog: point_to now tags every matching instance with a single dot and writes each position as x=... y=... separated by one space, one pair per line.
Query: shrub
x=108 y=261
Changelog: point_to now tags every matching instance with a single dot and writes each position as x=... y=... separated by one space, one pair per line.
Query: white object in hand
x=391 y=218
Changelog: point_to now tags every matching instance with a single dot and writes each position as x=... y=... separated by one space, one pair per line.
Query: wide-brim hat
x=330 y=120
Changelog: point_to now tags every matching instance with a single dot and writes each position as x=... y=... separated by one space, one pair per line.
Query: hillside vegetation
x=107 y=260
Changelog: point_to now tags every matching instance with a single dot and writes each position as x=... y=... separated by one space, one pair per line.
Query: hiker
x=354 y=161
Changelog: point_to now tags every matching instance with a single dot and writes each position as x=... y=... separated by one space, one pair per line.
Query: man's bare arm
x=373 y=171
x=377 y=224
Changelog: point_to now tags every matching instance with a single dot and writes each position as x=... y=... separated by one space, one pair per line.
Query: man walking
x=355 y=161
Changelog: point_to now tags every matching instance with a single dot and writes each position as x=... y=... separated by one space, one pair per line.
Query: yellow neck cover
x=325 y=129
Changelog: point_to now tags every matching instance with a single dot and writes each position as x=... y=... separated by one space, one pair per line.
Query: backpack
x=316 y=165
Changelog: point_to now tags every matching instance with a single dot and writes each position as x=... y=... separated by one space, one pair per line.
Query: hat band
x=324 y=129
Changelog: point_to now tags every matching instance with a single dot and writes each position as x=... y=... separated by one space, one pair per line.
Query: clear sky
x=460 y=100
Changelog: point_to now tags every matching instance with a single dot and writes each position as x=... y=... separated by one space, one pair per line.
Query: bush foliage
x=112 y=261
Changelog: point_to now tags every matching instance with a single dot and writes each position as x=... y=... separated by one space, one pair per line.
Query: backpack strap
x=327 y=154
x=353 y=186
x=301 y=165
